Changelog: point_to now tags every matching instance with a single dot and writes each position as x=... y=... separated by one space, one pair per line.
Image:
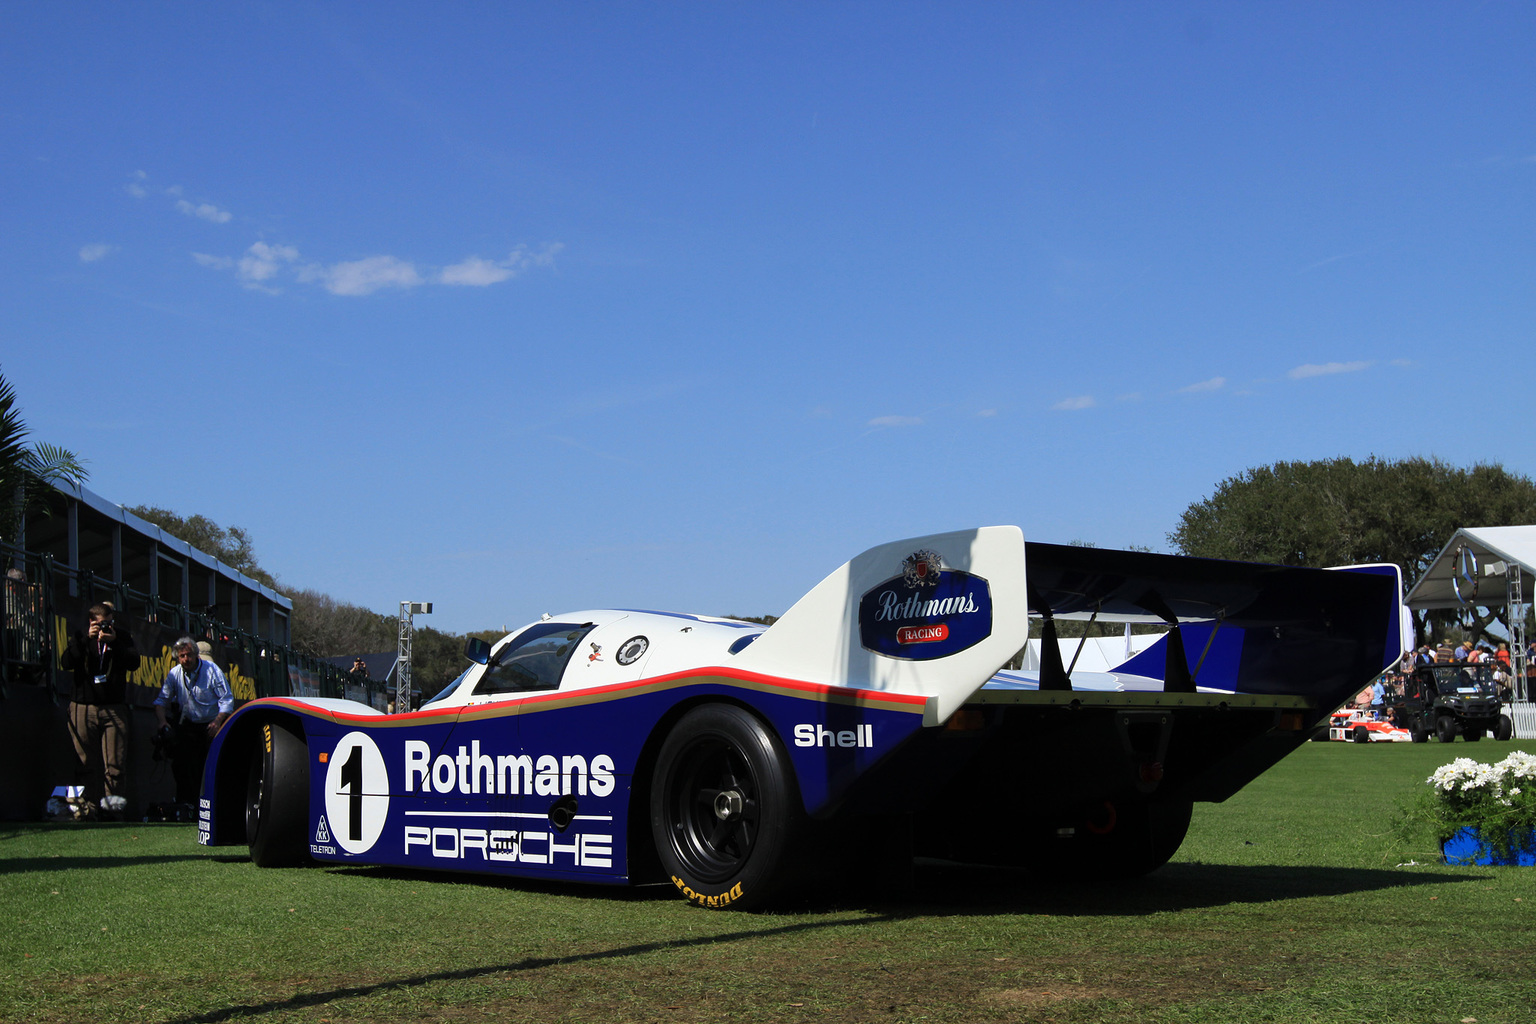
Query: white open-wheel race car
x=870 y=724
x=1359 y=725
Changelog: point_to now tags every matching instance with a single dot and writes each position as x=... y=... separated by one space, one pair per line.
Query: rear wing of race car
x=940 y=615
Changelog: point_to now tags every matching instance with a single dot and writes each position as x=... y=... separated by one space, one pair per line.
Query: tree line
x=1318 y=513
x=321 y=626
x=1343 y=512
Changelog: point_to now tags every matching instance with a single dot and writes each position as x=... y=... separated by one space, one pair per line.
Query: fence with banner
x=45 y=602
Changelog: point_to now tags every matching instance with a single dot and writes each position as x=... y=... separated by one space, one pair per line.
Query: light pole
x=403 y=655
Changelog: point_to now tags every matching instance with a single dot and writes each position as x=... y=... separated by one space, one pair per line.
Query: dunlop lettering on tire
x=725 y=812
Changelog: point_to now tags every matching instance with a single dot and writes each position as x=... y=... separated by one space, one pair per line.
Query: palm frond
x=53 y=464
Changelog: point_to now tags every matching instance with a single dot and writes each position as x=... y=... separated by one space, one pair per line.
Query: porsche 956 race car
x=870 y=724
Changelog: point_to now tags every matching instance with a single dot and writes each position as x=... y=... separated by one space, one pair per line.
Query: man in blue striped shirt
x=199 y=688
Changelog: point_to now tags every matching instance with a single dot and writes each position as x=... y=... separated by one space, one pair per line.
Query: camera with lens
x=163 y=743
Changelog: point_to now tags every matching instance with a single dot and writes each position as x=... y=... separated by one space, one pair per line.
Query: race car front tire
x=1360 y=734
x=277 y=798
x=725 y=811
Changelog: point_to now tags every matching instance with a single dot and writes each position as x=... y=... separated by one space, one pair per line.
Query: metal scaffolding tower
x=1515 y=580
x=403 y=660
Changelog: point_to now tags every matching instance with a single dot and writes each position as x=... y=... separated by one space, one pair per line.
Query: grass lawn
x=1287 y=903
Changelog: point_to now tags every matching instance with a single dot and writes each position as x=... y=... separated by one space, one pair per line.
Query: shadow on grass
x=942 y=888
x=960 y=889
x=309 y=999
x=938 y=889
x=101 y=829
x=21 y=865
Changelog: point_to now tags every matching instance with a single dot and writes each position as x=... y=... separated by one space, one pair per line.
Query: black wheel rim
x=712 y=809
x=254 y=786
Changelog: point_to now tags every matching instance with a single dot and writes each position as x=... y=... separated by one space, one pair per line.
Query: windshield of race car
x=535 y=659
x=445 y=691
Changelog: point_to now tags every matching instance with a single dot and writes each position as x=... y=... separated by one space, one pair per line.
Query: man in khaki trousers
x=101 y=659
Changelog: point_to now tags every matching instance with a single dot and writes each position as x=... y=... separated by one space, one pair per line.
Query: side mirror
x=477 y=650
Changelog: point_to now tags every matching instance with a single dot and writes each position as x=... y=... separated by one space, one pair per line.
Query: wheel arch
x=234 y=764
x=644 y=865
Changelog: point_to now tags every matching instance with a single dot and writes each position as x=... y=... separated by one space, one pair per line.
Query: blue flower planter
x=1466 y=847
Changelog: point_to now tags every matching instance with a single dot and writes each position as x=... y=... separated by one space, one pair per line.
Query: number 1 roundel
x=356 y=793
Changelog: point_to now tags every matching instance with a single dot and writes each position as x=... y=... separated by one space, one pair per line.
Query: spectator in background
x=1460 y=654
x=1425 y=656
x=23 y=620
x=359 y=672
x=1378 y=698
x=101 y=658
x=1501 y=682
x=202 y=693
x=1445 y=653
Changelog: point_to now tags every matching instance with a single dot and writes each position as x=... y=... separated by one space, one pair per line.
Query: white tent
x=1488 y=567
x=1099 y=653
x=1478 y=567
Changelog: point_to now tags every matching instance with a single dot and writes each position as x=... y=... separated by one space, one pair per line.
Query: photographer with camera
x=199 y=688
x=101 y=658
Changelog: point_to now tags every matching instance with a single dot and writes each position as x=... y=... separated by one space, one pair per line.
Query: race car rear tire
x=725 y=811
x=1505 y=730
x=1445 y=729
x=277 y=798
x=1110 y=839
x=1360 y=734
x=1148 y=835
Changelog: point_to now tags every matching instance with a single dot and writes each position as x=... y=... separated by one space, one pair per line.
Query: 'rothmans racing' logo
x=926 y=612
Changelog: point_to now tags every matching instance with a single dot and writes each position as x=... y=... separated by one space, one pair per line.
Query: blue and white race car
x=872 y=723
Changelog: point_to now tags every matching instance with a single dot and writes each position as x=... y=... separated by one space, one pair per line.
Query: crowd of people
x=1383 y=697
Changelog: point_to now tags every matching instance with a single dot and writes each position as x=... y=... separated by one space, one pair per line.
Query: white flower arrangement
x=1497 y=802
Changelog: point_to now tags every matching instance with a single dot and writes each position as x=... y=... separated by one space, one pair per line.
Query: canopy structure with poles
x=1485 y=567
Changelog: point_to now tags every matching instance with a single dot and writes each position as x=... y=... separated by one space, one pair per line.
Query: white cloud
x=136 y=187
x=895 y=421
x=1075 y=403
x=1331 y=259
x=264 y=265
x=986 y=413
x=363 y=277
x=1326 y=369
x=207 y=211
x=96 y=251
x=261 y=261
x=1214 y=384
x=477 y=272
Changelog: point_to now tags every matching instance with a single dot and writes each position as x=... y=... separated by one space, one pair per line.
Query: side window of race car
x=533 y=660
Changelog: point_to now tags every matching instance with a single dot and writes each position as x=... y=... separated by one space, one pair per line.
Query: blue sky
x=525 y=308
